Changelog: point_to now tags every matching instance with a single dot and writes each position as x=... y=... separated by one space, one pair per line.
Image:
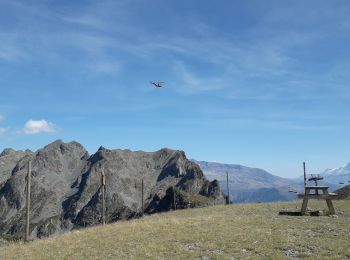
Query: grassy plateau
x=242 y=231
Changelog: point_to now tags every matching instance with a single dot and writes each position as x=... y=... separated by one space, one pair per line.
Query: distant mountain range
x=338 y=176
x=248 y=184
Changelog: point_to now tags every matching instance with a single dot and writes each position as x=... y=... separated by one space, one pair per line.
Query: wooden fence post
x=304 y=174
x=228 y=190
x=103 y=185
x=174 y=197
x=142 y=202
x=29 y=174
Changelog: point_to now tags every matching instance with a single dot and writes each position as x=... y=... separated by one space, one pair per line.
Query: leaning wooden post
x=304 y=174
x=142 y=202
x=228 y=190
x=103 y=185
x=174 y=197
x=29 y=173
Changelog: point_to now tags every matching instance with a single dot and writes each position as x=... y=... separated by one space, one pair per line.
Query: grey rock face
x=8 y=160
x=66 y=190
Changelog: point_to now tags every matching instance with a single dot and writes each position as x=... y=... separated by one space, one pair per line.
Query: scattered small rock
x=190 y=246
x=292 y=254
x=215 y=251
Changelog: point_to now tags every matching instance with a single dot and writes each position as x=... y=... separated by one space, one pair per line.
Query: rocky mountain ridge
x=66 y=186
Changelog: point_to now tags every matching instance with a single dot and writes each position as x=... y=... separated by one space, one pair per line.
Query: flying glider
x=157 y=84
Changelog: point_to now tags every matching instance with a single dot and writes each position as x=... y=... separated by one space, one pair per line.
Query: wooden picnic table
x=325 y=195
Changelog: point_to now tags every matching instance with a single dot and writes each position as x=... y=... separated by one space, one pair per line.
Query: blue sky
x=259 y=83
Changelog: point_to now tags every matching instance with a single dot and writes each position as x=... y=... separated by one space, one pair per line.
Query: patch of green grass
x=245 y=231
x=195 y=200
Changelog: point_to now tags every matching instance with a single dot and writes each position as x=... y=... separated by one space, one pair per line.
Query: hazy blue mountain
x=334 y=178
x=337 y=176
x=248 y=184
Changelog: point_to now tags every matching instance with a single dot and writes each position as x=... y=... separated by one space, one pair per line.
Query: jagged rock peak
x=165 y=152
x=7 y=151
x=63 y=147
x=103 y=149
x=55 y=143
x=12 y=152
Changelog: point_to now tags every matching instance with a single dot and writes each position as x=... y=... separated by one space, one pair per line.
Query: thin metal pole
x=228 y=190
x=142 y=202
x=28 y=199
x=103 y=185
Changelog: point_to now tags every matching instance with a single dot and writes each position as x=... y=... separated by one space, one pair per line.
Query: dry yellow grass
x=247 y=231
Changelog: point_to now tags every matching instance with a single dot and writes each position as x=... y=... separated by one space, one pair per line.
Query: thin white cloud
x=85 y=20
x=250 y=123
x=206 y=44
x=264 y=52
x=190 y=83
x=9 y=53
x=37 y=127
x=2 y=129
x=10 y=49
x=104 y=67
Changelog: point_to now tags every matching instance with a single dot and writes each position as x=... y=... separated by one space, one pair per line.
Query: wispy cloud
x=285 y=124
x=2 y=129
x=256 y=123
x=190 y=83
x=38 y=126
x=237 y=63
x=85 y=20
x=10 y=49
x=104 y=67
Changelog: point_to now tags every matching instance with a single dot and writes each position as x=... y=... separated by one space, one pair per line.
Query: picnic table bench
x=325 y=195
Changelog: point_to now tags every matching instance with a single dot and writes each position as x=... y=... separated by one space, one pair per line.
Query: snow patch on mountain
x=343 y=170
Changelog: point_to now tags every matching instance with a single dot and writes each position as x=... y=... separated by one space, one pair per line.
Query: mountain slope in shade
x=66 y=190
x=251 y=184
x=343 y=192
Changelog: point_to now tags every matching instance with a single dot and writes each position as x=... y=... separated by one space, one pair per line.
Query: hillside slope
x=248 y=184
x=343 y=192
x=241 y=231
x=66 y=190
